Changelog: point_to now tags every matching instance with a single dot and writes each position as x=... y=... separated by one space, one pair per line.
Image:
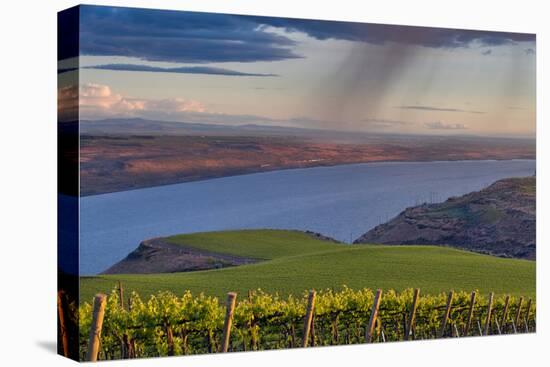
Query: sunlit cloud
x=67 y=103
x=99 y=101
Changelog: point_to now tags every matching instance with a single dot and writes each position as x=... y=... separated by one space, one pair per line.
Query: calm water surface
x=342 y=202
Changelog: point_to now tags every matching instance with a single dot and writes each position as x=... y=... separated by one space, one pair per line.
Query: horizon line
x=502 y=136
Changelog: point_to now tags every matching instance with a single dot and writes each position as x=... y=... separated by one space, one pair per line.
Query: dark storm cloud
x=430 y=108
x=409 y=35
x=176 y=36
x=160 y=35
x=178 y=70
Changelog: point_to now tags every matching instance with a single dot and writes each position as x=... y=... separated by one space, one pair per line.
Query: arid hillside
x=111 y=163
x=498 y=220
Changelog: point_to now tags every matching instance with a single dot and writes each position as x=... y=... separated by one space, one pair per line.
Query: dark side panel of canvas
x=67 y=197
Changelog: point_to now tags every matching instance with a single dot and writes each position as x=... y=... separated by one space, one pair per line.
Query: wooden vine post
x=62 y=323
x=120 y=295
x=409 y=325
x=229 y=311
x=518 y=314
x=170 y=340
x=95 y=328
x=312 y=332
x=527 y=312
x=446 y=315
x=309 y=317
x=470 y=314
x=489 y=311
x=124 y=350
x=373 y=316
x=505 y=314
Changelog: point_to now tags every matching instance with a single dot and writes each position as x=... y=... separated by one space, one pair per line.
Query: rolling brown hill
x=498 y=220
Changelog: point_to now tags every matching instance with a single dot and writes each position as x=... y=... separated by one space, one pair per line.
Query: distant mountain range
x=140 y=126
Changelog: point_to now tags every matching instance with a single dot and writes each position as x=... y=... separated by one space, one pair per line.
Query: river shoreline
x=341 y=202
x=259 y=171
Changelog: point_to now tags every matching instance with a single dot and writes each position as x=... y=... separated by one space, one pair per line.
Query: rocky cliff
x=159 y=256
x=498 y=220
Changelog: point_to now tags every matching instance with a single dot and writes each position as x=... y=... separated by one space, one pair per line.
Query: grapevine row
x=166 y=324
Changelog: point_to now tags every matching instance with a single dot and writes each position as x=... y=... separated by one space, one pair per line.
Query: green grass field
x=259 y=244
x=293 y=262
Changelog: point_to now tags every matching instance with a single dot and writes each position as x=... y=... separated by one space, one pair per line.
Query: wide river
x=342 y=202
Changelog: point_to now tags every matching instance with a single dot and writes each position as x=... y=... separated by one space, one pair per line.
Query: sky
x=231 y=69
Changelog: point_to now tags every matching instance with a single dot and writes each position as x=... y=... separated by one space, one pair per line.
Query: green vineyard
x=166 y=324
